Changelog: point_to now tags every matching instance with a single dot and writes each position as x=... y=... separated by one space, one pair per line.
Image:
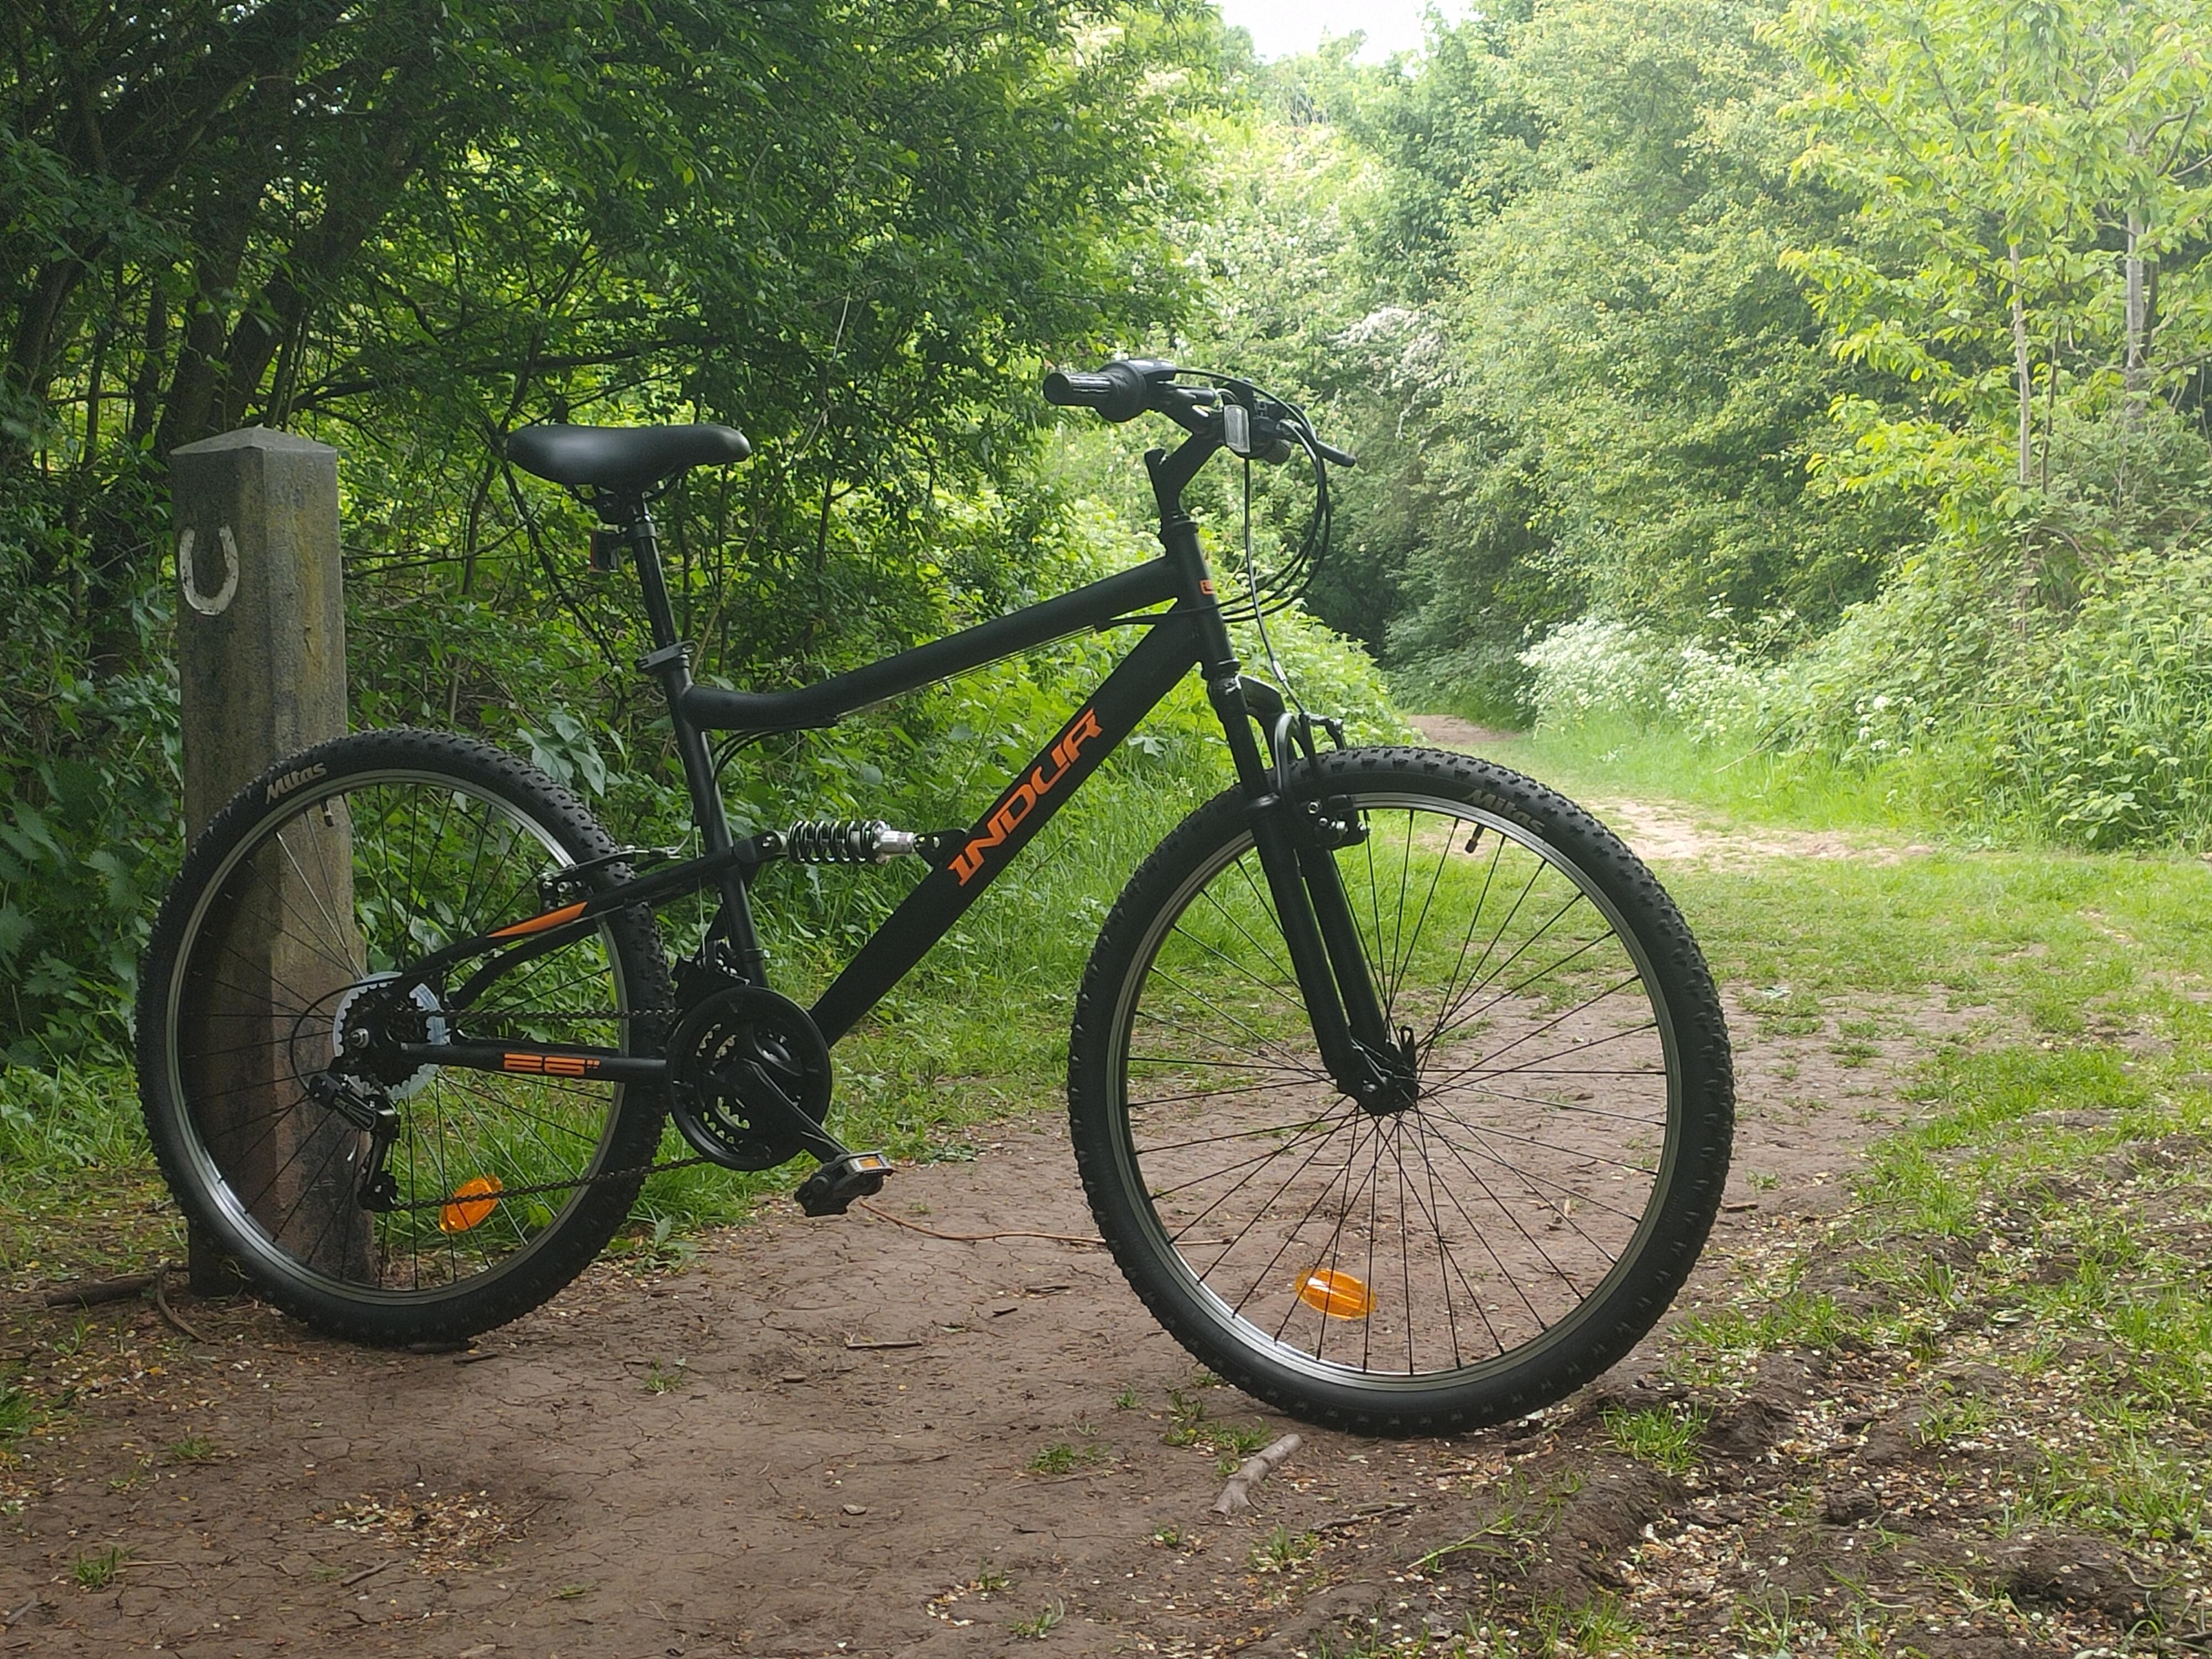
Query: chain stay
x=549 y=1186
x=579 y=1181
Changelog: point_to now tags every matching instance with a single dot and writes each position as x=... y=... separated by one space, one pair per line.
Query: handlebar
x=1220 y=412
x=1128 y=387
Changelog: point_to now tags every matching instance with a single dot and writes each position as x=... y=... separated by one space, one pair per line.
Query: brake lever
x=1190 y=407
x=1277 y=427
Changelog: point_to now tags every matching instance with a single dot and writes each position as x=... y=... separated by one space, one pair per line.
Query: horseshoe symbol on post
x=207 y=605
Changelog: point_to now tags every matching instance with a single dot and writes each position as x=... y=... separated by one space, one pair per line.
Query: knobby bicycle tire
x=310 y=887
x=1488 y=1248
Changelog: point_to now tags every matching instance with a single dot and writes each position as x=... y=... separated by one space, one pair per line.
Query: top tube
x=1094 y=605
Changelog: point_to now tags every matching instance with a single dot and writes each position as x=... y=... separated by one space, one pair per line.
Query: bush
x=2087 y=721
x=2101 y=733
x=90 y=788
x=1596 y=670
x=1593 y=667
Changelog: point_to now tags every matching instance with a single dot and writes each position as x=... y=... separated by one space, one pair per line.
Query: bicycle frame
x=1189 y=633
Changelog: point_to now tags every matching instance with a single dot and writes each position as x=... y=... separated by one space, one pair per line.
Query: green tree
x=851 y=229
x=1592 y=385
x=2033 y=183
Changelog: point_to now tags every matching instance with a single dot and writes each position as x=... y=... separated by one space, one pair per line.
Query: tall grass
x=1615 y=757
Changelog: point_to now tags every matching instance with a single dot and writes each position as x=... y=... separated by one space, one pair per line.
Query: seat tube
x=670 y=663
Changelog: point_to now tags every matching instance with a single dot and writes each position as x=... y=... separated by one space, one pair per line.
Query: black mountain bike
x=1399 y=1088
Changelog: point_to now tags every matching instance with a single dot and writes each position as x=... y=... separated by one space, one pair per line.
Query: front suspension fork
x=1295 y=840
x=1364 y=1057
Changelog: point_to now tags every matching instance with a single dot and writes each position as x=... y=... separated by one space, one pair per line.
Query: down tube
x=1042 y=788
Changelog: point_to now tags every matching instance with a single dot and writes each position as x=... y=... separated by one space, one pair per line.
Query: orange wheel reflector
x=474 y=1200
x=1340 y=1296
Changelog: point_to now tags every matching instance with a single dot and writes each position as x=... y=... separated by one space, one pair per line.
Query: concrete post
x=261 y=659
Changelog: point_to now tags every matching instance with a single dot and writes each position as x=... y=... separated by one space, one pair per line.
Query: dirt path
x=818 y=1438
x=1662 y=832
x=719 y=1460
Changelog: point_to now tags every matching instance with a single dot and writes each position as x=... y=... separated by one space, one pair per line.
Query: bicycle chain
x=584 y=1013
x=550 y=1186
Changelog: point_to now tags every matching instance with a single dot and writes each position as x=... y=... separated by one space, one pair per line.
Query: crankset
x=748 y=1079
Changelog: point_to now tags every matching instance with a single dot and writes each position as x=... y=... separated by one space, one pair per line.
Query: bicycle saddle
x=622 y=457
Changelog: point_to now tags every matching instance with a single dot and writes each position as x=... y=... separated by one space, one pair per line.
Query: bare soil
x=849 y=1436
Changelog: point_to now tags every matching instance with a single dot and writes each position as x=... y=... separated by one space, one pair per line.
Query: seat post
x=636 y=521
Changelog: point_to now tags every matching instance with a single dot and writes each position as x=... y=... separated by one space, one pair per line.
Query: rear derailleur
x=368 y=1108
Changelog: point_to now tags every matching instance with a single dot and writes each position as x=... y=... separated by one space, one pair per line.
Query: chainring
x=750 y=1074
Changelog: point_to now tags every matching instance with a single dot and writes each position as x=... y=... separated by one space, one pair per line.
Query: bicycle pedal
x=831 y=1189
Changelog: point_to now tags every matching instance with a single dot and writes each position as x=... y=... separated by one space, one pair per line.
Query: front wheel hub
x=1393 y=1081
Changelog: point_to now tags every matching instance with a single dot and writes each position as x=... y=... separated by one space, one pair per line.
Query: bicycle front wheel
x=324 y=880
x=1459 y=1260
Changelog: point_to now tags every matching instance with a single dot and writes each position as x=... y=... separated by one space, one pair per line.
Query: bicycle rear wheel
x=1460 y=1260
x=337 y=868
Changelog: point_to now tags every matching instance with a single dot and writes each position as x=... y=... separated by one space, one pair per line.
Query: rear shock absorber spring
x=847 y=841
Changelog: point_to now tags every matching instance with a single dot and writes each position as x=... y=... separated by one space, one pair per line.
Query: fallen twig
x=162 y=1306
x=903 y=1342
x=1236 y=1496
x=478 y=1355
x=366 y=1572
x=975 y=1239
x=90 y=1292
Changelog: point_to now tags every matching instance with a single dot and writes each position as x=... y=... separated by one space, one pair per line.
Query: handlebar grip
x=1118 y=390
x=1076 y=391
